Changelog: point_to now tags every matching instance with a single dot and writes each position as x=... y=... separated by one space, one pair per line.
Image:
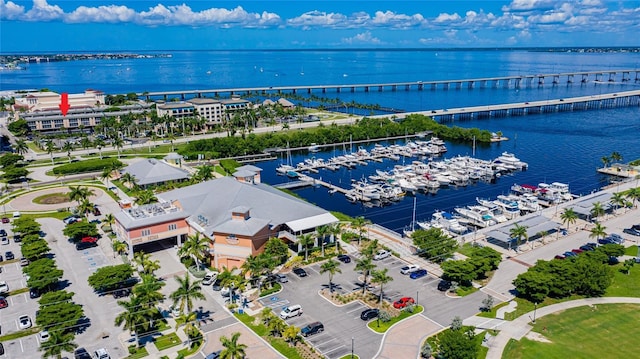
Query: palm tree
x=232 y=349
x=85 y=143
x=633 y=194
x=50 y=148
x=618 y=200
x=305 y=241
x=58 y=342
x=110 y=220
x=598 y=231
x=616 y=156
x=321 y=234
x=605 y=161
x=187 y=291
x=68 y=146
x=335 y=231
x=540 y=234
x=332 y=267
x=80 y=194
x=365 y=265
x=106 y=175
x=132 y=318
x=117 y=143
x=196 y=247
x=145 y=197
x=568 y=217
x=518 y=232
x=144 y=263
x=99 y=144
x=147 y=292
x=255 y=266
x=188 y=320
x=597 y=210
x=276 y=326
x=86 y=207
x=267 y=316
x=21 y=147
x=119 y=247
x=381 y=277
x=128 y=178
x=359 y=224
x=205 y=173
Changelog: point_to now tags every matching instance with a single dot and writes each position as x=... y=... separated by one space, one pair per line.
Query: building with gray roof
x=151 y=172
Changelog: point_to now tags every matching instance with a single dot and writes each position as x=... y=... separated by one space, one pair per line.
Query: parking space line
x=334 y=349
x=313 y=269
x=358 y=308
x=328 y=341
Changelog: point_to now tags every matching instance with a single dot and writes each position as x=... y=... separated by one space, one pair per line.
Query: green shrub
x=94 y=165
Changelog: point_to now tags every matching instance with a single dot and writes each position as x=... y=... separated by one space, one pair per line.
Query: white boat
x=477 y=216
x=509 y=206
x=284 y=168
x=510 y=162
x=314 y=148
x=528 y=203
x=450 y=223
x=494 y=210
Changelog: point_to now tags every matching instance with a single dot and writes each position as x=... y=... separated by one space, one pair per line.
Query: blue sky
x=110 y=25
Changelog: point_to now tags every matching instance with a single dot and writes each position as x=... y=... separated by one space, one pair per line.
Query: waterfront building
x=213 y=111
x=153 y=172
x=237 y=214
x=48 y=101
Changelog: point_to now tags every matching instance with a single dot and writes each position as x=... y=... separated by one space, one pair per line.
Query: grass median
x=381 y=327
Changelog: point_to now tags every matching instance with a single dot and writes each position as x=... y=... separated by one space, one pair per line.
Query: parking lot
x=342 y=323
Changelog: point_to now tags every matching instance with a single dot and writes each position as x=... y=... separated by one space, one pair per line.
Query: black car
x=586 y=248
x=3 y=233
x=33 y=293
x=636 y=226
x=632 y=231
x=444 y=285
x=121 y=293
x=605 y=241
x=17 y=238
x=1 y=349
x=369 y=313
x=344 y=258
x=300 y=272
x=81 y=353
x=217 y=285
x=214 y=355
x=311 y=329
x=9 y=255
x=84 y=245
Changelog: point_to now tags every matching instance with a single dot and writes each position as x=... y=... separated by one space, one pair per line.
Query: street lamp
x=535 y=308
x=351 y=347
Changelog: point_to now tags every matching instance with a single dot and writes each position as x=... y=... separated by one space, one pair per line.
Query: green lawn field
x=602 y=331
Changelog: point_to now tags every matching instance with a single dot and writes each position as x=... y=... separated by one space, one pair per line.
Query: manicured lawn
x=57 y=215
x=493 y=311
x=625 y=285
x=386 y=325
x=52 y=198
x=188 y=351
x=276 y=288
x=631 y=251
x=278 y=343
x=140 y=353
x=348 y=356
x=19 y=334
x=602 y=331
x=462 y=291
x=167 y=341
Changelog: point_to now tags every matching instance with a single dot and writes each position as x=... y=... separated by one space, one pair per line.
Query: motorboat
x=477 y=216
x=509 y=206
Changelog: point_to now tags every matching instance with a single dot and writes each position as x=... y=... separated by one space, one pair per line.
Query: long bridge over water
x=516 y=81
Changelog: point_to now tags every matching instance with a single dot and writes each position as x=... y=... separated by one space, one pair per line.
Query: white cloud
x=318 y=18
x=394 y=20
x=42 y=11
x=527 y=5
x=444 y=17
x=10 y=10
x=110 y=13
x=363 y=38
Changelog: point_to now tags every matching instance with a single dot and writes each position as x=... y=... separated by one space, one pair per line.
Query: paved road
x=519 y=327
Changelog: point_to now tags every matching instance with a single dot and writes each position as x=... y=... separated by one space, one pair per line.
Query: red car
x=3 y=303
x=403 y=302
x=89 y=240
x=5 y=220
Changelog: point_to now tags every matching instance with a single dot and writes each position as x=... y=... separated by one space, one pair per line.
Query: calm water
x=565 y=147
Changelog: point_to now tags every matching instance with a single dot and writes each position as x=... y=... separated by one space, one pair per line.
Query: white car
x=408 y=269
x=4 y=287
x=4 y=240
x=24 y=322
x=43 y=336
x=382 y=254
x=101 y=354
x=209 y=278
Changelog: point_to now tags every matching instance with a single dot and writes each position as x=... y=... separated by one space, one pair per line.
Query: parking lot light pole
x=351 y=347
x=535 y=308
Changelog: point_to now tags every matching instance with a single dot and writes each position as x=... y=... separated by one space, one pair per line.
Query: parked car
x=444 y=285
x=33 y=293
x=344 y=258
x=5 y=220
x=409 y=268
x=17 y=238
x=71 y=219
x=577 y=251
x=604 y=241
x=1 y=258
x=89 y=239
x=370 y=313
x=24 y=262
x=300 y=272
x=4 y=240
x=3 y=303
x=403 y=302
x=569 y=254
x=313 y=328
x=84 y=245
x=8 y=255
x=209 y=278
x=81 y=353
x=217 y=285
x=24 y=322
x=586 y=248
x=4 y=287
x=559 y=256
x=418 y=274
x=43 y=336
x=382 y=254
x=631 y=231
x=214 y=355
x=1 y=349
x=291 y=311
x=280 y=278
x=3 y=232
x=616 y=238
x=101 y=354
x=613 y=260
x=121 y=293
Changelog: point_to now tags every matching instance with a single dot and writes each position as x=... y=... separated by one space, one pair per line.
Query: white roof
x=311 y=222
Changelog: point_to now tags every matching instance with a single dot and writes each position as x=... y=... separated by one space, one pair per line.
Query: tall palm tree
x=305 y=241
x=597 y=210
x=106 y=175
x=21 y=147
x=50 y=148
x=381 y=277
x=118 y=143
x=359 y=224
x=205 y=173
x=144 y=263
x=189 y=321
x=58 y=342
x=148 y=291
x=128 y=178
x=187 y=291
x=196 y=247
x=232 y=349
x=68 y=147
x=321 y=235
x=146 y=197
x=633 y=194
x=132 y=318
x=85 y=143
x=332 y=267
x=616 y=156
x=99 y=144
x=568 y=217
x=598 y=231
x=334 y=232
x=605 y=161
x=110 y=220
x=255 y=266
x=119 y=247
x=86 y=207
x=618 y=200
x=291 y=334
x=80 y=194
x=366 y=265
x=519 y=232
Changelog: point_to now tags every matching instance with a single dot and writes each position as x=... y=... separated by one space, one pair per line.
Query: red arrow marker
x=64 y=103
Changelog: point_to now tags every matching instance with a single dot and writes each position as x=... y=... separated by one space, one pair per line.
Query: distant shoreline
x=58 y=57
